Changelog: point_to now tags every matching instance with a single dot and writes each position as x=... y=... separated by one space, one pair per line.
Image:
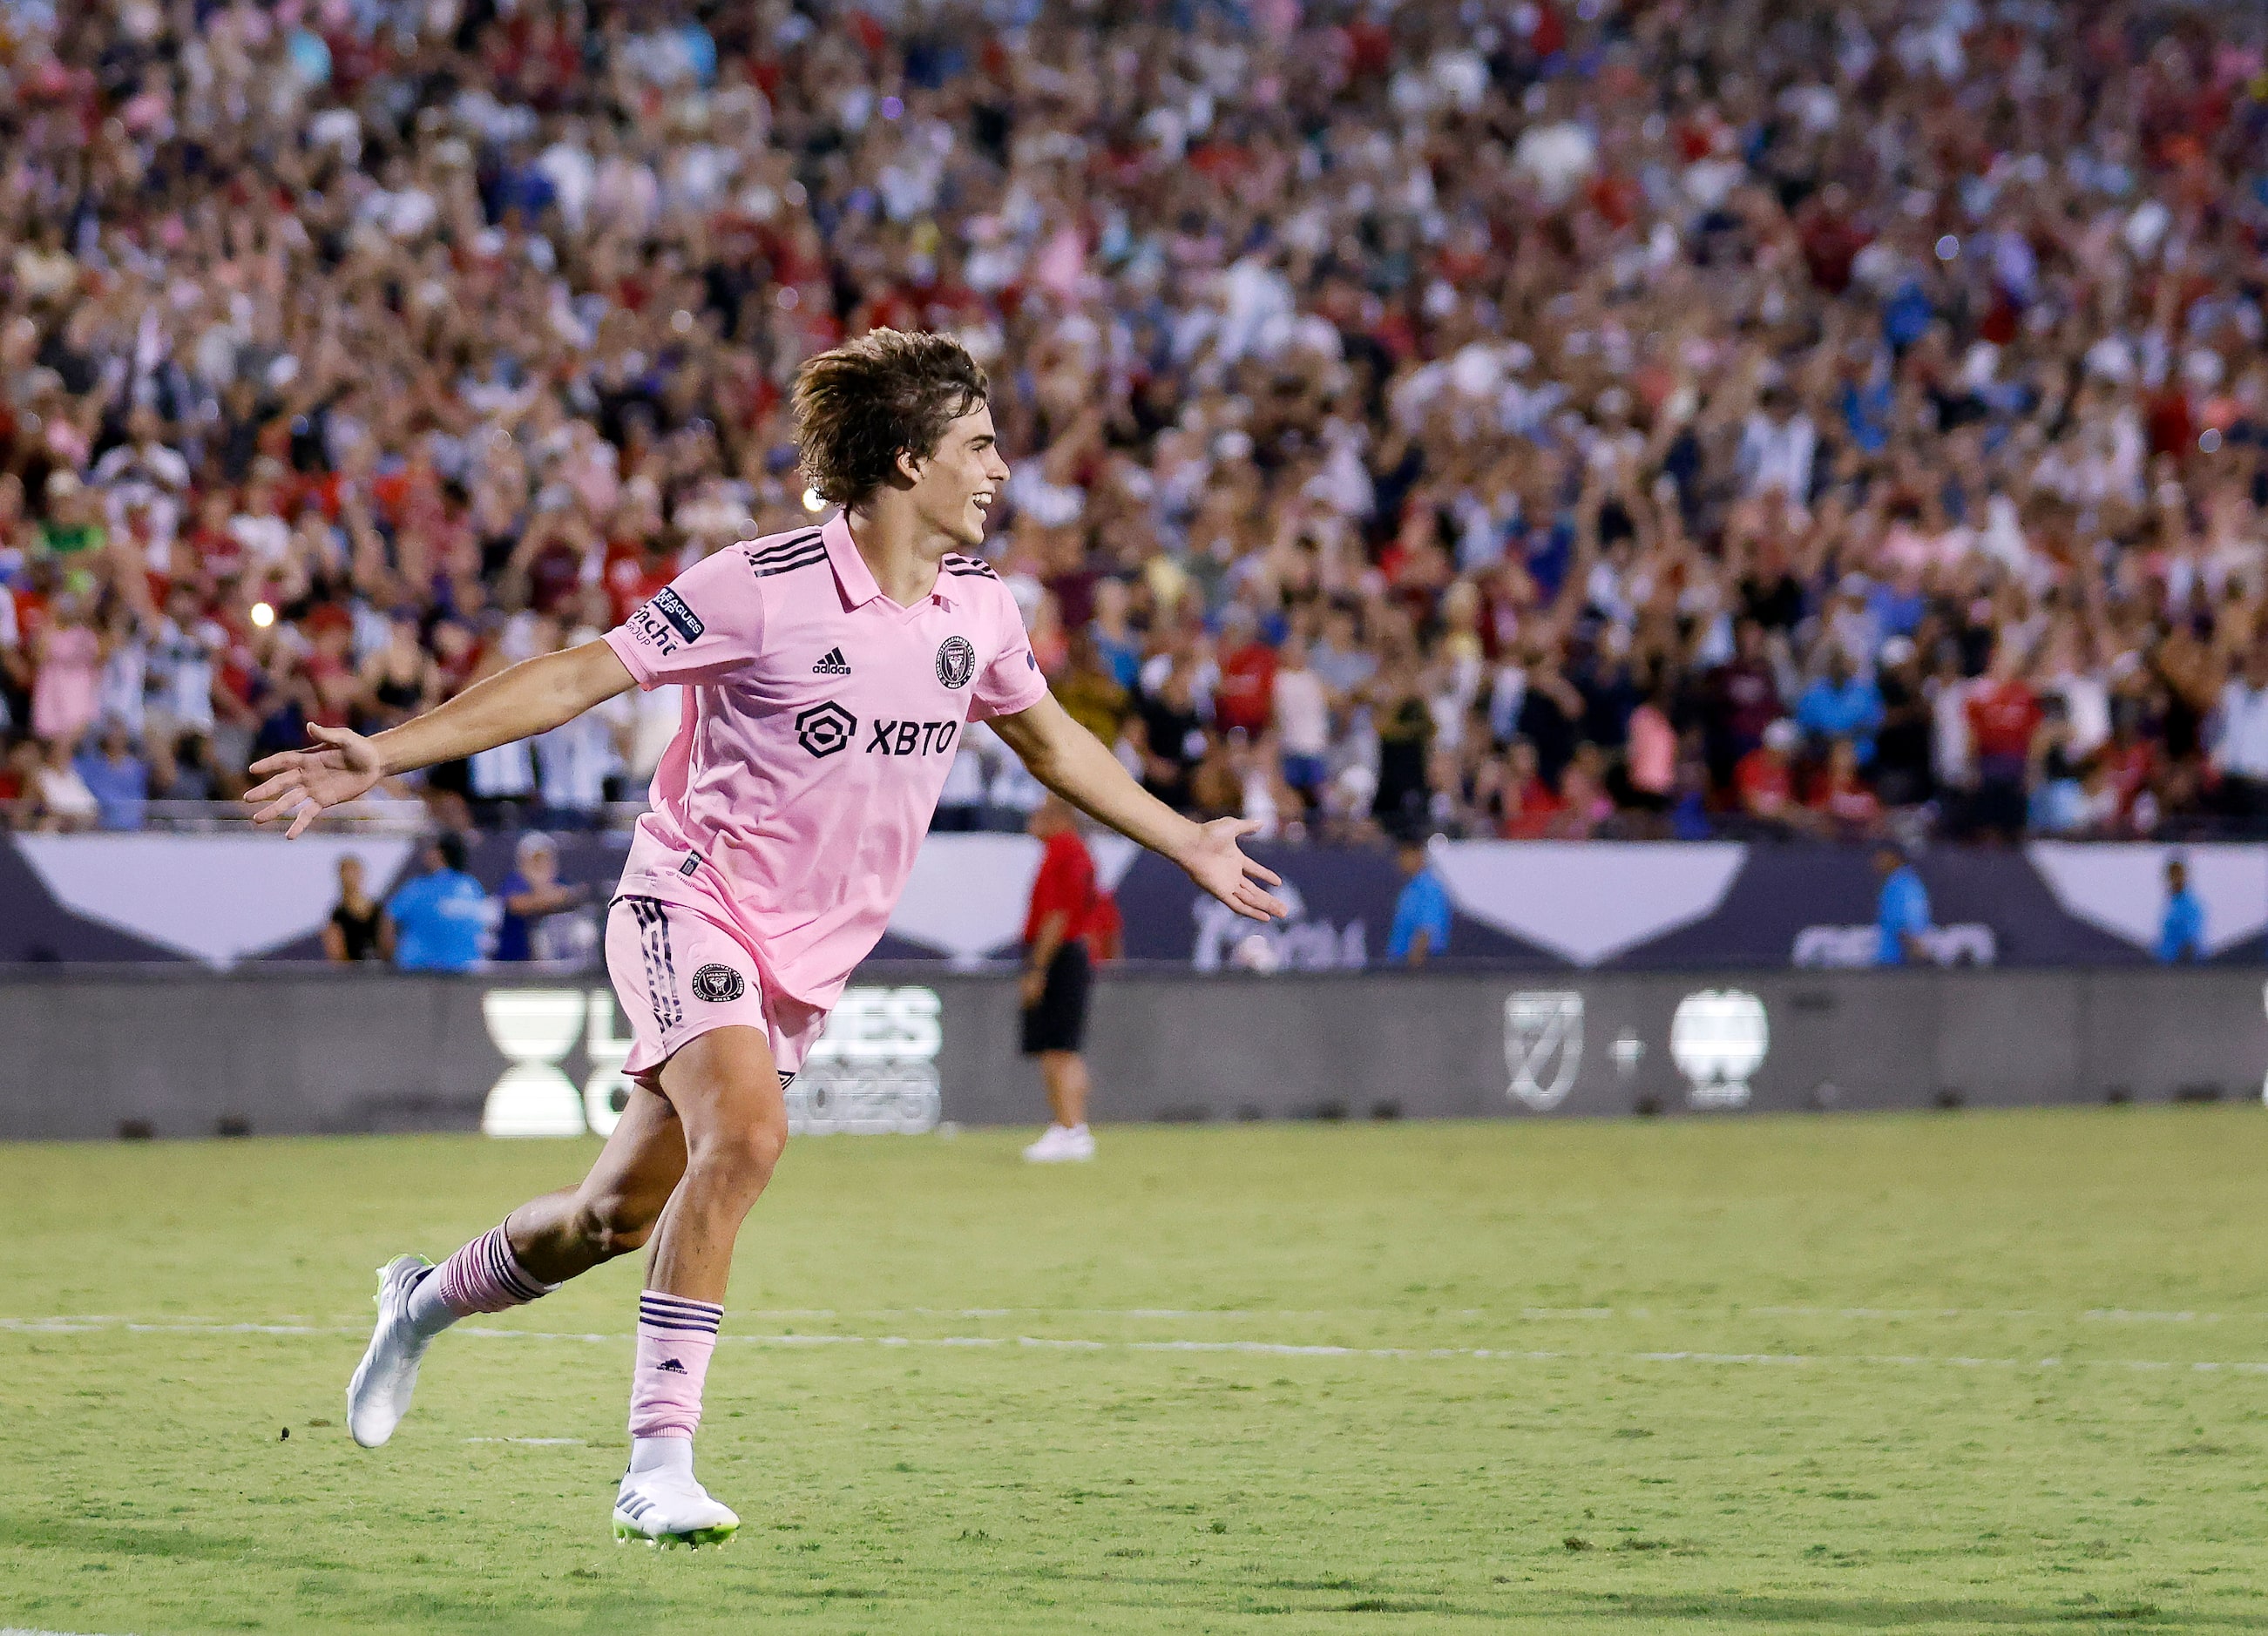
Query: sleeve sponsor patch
x=672 y=607
x=665 y=624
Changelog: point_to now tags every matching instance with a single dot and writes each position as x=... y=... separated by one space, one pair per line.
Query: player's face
x=959 y=482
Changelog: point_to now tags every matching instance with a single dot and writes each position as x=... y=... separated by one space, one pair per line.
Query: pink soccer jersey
x=819 y=720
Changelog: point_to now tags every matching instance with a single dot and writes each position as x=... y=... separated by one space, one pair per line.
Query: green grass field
x=1956 y=1373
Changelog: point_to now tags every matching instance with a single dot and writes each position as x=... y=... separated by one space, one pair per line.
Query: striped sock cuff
x=485 y=1276
x=657 y=1311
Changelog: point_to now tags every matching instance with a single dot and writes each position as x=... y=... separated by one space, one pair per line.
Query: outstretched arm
x=531 y=697
x=1072 y=762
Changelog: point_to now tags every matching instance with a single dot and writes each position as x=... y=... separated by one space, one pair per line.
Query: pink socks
x=484 y=1276
x=674 y=1339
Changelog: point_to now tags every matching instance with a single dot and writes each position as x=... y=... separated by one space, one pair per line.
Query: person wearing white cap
x=533 y=892
x=1766 y=776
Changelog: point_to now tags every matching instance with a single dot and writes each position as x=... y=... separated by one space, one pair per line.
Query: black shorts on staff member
x=1058 y=1021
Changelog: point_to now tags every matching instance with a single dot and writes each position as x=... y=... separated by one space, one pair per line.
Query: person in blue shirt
x=1421 y=914
x=441 y=917
x=1901 y=913
x=1896 y=605
x=2181 y=933
x=532 y=893
x=117 y=778
x=1843 y=704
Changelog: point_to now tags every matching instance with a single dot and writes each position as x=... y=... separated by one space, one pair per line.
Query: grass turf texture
x=1830 y=1465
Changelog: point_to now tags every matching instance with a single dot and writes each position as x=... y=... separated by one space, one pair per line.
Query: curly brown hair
x=889 y=392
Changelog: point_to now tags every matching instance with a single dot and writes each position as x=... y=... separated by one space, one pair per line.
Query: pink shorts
x=679 y=973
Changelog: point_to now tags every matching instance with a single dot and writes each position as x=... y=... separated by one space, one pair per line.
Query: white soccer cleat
x=378 y=1395
x=670 y=1509
x=1062 y=1144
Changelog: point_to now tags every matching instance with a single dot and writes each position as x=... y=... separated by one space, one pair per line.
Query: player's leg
x=536 y=1249
x=727 y=1096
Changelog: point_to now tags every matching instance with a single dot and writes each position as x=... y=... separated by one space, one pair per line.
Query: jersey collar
x=856 y=579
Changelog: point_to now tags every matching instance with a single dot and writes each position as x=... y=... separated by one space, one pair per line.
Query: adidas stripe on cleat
x=669 y=1508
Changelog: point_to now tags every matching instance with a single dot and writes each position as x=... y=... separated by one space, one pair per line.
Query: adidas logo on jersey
x=833 y=664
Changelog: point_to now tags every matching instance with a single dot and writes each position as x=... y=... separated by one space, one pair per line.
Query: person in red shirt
x=637 y=569
x=1245 y=696
x=1068 y=908
x=1841 y=801
x=1529 y=808
x=1765 y=778
x=2003 y=713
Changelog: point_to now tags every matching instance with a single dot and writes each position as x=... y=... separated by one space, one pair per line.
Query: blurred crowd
x=1567 y=418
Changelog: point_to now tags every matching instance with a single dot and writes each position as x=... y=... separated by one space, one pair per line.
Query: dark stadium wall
x=172 y=1052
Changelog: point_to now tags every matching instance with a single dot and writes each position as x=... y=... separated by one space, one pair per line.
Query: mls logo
x=1543 y=1045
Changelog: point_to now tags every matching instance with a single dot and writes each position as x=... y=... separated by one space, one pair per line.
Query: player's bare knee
x=742 y=1158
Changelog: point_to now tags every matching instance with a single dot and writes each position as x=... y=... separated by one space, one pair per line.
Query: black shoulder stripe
x=972 y=573
x=786 y=565
x=794 y=543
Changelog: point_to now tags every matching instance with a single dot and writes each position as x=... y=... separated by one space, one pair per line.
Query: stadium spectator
x=1244 y=698
x=2004 y=718
x=1842 y=704
x=1842 y=804
x=532 y=895
x=1650 y=757
x=118 y=779
x=67 y=663
x=359 y=929
x=1766 y=778
x=441 y=917
x=2181 y=927
x=55 y=794
x=1300 y=706
x=1526 y=807
x=1422 y=916
x=2240 y=749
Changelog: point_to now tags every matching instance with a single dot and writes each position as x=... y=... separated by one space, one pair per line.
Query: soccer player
x=828 y=673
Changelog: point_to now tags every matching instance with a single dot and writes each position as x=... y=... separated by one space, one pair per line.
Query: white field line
x=1257 y=1348
x=13 y=1631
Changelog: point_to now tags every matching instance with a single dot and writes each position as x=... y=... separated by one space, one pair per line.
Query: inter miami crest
x=718 y=985
x=825 y=728
x=956 y=661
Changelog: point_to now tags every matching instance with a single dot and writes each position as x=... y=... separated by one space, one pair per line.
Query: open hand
x=1215 y=862
x=302 y=784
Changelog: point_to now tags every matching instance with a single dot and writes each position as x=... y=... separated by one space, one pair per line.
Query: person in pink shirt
x=828 y=675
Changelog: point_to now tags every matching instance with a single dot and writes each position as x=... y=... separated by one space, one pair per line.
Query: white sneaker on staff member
x=1062 y=1144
